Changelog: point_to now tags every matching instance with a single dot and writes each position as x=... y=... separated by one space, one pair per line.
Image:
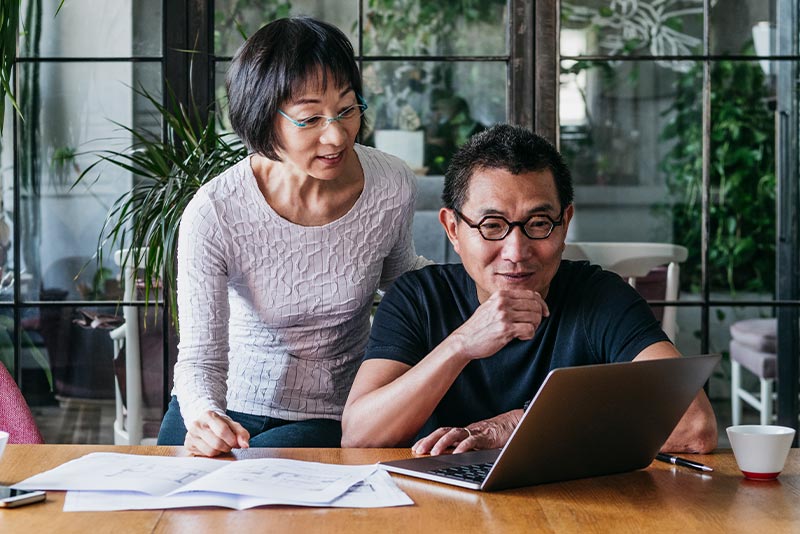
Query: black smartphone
x=11 y=498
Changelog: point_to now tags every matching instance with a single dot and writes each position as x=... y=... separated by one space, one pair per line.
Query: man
x=457 y=350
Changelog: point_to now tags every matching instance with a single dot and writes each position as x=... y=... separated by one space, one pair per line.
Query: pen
x=670 y=459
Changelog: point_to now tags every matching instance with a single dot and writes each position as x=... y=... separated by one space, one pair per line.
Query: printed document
x=270 y=480
x=378 y=490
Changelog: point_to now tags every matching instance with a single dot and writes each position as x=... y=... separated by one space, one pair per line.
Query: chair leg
x=736 y=401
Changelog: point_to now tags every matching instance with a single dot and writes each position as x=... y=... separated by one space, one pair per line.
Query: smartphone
x=11 y=498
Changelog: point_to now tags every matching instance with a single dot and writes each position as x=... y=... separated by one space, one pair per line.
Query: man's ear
x=448 y=219
x=569 y=211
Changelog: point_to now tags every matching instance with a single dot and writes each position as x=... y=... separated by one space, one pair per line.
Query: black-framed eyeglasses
x=497 y=227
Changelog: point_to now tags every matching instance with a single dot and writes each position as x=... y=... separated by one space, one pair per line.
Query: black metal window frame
x=533 y=64
x=189 y=79
x=787 y=301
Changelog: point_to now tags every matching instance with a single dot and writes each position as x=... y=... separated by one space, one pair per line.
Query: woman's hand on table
x=214 y=434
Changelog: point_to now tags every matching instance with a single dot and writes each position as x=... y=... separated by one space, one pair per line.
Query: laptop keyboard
x=470 y=473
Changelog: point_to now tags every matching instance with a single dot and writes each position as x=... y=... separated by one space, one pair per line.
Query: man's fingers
x=425 y=445
x=449 y=440
x=469 y=444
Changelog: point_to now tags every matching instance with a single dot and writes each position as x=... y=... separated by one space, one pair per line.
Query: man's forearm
x=696 y=432
x=392 y=413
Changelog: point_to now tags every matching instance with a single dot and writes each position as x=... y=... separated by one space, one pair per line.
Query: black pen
x=674 y=460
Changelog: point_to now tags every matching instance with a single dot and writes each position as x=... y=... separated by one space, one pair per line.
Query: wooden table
x=661 y=498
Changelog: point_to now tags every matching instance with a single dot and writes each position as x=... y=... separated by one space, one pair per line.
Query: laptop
x=584 y=421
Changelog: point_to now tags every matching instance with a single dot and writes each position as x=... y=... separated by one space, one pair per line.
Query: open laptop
x=584 y=421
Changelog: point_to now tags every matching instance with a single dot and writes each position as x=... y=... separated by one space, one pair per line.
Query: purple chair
x=15 y=416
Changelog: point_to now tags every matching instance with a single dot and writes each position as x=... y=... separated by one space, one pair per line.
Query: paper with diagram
x=378 y=490
x=272 y=480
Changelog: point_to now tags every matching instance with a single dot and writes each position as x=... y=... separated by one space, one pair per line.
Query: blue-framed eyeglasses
x=497 y=227
x=321 y=121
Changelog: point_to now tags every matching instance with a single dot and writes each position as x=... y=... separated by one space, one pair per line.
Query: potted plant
x=145 y=220
x=416 y=112
x=398 y=125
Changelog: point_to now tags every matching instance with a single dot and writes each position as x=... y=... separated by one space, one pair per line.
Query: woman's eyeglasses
x=321 y=121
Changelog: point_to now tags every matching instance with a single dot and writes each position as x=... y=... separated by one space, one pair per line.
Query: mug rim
x=760 y=430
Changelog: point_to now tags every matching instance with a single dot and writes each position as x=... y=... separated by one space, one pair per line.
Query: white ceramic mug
x=760 y=450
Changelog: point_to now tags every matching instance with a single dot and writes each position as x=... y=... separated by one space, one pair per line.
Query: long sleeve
x=203 y=312
x=403 y=256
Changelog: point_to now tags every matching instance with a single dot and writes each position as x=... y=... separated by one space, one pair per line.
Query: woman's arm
x=403 y=256
x=203 y=311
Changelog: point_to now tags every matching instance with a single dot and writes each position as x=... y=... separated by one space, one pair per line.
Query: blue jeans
x=264 y=431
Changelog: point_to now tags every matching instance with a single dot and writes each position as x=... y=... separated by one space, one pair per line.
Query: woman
x=279 y=256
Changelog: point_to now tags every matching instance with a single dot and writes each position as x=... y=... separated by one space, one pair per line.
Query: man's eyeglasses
x=496 y=227
x=321 y=121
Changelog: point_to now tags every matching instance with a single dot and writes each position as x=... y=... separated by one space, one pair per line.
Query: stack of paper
x=110 y=481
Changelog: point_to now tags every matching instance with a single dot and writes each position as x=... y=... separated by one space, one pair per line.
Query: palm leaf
x=170 y=172
x=9 y=24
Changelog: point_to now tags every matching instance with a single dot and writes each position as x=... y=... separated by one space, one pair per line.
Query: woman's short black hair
x=273 y=65
x=503 y=146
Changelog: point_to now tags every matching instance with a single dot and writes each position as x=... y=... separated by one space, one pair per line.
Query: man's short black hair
x=273 y=65
x=508 y=147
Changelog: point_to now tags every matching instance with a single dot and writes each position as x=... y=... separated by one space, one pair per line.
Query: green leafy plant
x=742 y=208
x=423 y=95
x=9 y=27
x=168 y=173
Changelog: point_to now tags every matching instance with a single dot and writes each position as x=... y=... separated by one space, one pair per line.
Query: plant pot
x=406 y=145
x=81 y=359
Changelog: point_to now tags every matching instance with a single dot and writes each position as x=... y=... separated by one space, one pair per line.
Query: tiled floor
x=77 y=421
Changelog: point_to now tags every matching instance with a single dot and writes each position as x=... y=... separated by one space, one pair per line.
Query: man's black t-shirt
x=595 y=317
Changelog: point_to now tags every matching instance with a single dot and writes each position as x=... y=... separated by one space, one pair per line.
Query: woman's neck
x=304 y=199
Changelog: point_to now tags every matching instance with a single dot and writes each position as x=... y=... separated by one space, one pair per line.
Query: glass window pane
x=232 y=18
x=220 y=94
x=7 y=206
x=618 y=129
x=80 y=407
x=70 y=114
x=742 y=173
x=446 y=27
x=423 y=111
x=743 y=184
x=644 y=27
x=91 y=28
x=743 y=27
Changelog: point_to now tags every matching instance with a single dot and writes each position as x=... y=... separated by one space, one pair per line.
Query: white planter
x=406 y=145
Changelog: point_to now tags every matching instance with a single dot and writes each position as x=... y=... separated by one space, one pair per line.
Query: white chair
x=754 y=347
x=633 y=260
x=129 y=421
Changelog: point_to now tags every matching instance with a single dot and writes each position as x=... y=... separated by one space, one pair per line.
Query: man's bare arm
x=697 y=430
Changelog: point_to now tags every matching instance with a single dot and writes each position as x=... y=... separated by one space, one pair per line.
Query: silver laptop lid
x=585 y=421
x=599 y=419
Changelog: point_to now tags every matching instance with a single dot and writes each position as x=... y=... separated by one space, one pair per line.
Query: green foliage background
x=742 y=207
